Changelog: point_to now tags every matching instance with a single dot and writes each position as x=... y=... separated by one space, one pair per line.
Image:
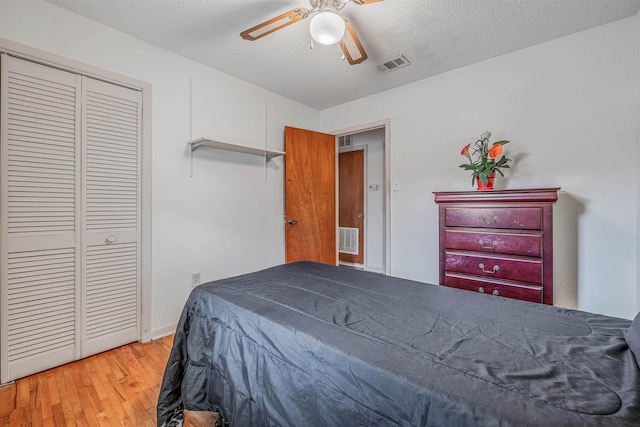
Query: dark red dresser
x=498 y=242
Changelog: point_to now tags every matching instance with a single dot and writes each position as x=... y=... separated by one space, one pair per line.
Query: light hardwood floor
x=115 y=388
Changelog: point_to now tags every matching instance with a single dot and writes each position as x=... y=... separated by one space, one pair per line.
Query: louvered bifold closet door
x=39 y=218
x=111 y=242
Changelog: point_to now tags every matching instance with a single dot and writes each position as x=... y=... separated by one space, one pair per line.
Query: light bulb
x=327 y=27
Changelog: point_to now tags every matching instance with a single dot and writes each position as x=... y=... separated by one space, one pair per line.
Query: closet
x=70 y=155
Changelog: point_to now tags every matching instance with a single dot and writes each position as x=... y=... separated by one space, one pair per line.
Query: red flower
x=465 y=150
x=495 y=151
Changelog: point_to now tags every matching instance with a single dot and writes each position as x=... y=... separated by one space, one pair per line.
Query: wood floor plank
x=7 y=400
x=52 y=387
x=58 y=415
x=116 y=388
x=23 y=402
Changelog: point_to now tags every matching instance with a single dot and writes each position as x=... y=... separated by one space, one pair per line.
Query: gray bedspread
x=307 y=344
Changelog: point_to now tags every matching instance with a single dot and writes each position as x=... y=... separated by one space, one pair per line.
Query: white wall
x=570 y=106
x=226 y=219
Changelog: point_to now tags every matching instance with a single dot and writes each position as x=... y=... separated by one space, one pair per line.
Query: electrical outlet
x=195 y=279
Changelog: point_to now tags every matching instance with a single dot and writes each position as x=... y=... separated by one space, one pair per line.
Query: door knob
x=110 y=239
x=291 y=221
x=360 y=215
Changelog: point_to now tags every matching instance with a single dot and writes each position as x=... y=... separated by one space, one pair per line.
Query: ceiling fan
x=327 y=26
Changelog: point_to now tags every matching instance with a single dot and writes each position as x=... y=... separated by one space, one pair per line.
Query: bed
x=307 y=344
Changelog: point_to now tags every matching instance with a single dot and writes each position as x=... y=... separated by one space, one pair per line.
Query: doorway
x=71 y=218
x=311 y=199
x=361 y=236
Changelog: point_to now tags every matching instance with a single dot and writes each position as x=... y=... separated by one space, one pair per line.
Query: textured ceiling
x=434 y=35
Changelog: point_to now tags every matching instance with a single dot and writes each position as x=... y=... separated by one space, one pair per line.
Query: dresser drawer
x=524 y=218
x=504 y=243
x=521 y=269
x=525 y=293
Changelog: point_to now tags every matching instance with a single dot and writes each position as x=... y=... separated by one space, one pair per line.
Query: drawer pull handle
x=489 y=221
x=491 y=246
x=495 y=268
x=494 y=293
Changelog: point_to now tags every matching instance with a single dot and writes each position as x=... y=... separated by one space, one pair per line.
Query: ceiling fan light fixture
x=327 y=27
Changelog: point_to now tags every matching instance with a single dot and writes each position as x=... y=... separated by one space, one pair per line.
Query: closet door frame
x=46 y=58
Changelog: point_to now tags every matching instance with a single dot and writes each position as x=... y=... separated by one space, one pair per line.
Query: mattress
x=317 y=345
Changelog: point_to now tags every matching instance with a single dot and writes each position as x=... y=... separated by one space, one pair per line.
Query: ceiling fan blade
x=351 y=46
x=274 y=24
x=365 y=1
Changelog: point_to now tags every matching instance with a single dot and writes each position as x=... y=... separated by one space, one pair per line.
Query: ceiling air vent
x=393 y=64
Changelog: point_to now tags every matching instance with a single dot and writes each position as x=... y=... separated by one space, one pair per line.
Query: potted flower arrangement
x=482 y=160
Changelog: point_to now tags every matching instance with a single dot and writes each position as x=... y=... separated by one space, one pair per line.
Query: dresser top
x=541 y=195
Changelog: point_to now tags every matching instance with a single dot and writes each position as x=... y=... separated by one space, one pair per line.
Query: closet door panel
x=40 y=219
x=111 y=219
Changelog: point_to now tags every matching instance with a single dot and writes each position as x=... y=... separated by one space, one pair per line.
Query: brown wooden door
x=310 y=196
x=351 y=196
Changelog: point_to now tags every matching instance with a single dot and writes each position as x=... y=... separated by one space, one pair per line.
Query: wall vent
x=344 y=141
x=393 y=64
x=348 y=240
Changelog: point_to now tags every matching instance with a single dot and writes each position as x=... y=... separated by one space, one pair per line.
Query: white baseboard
x=351 y=265
x=372 y=269
x=163 y=331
